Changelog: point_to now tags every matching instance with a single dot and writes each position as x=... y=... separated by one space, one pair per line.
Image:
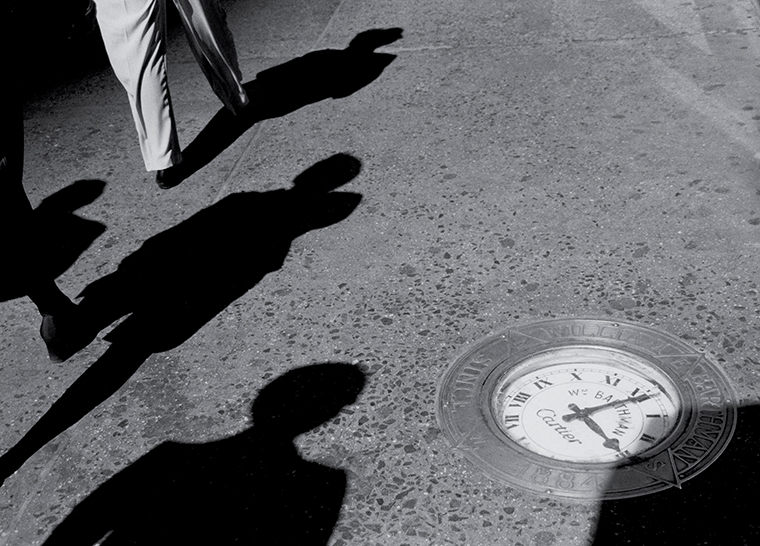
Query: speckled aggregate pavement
x=519 y=161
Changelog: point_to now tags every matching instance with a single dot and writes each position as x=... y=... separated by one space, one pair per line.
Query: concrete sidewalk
x=519 y=161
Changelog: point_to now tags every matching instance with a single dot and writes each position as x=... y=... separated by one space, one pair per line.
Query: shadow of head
x=369 y=40
x=304 y=398
x=42 y=247
x=64 y=235
x=328 y=174
x=313 y=204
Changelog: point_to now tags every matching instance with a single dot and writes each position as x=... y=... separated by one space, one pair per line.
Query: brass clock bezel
x=705 y=423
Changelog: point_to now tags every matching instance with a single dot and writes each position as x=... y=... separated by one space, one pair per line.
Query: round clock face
x=586 y=405
x=587 y=408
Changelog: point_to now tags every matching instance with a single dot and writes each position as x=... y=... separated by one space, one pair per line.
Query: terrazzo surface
x=514 y=161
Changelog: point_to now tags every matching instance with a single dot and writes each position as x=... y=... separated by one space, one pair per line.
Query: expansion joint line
x=225 y=189
x=328 y=25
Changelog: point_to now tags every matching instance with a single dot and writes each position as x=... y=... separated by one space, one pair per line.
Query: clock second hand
x=579 y=413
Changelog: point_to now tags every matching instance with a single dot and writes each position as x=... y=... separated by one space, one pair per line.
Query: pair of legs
x=134 y=34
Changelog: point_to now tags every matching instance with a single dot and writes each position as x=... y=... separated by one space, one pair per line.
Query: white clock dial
x=587 y=408
x=582 y=405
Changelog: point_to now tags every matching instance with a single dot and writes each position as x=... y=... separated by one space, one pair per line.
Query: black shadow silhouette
x=278 y=91
x=251 y=488
x=180 y=279
x=66 y=46
x=59 y=237
x=717 y=507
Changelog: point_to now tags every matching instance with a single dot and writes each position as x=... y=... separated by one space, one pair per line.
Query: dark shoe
x=65 y=335
x=169 y=177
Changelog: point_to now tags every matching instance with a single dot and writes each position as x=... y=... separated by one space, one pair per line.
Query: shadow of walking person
x=251 y=488
x=280 y=90
x=180 y=279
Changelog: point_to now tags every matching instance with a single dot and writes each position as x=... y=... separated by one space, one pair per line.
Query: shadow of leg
x=101 y=380
x=219 y=134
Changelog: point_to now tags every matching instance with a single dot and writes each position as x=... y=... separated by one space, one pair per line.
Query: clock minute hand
x=579 y=413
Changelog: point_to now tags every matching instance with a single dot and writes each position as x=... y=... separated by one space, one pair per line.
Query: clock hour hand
x=579 y=413
x=611 y=443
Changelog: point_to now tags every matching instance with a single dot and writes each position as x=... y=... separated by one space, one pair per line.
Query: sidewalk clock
x=587 y=408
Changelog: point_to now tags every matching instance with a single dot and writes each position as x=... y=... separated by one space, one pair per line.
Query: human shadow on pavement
x=250 y=488
x=278 y=91
x=180 y=279
x=719 y=506
x=57 y=239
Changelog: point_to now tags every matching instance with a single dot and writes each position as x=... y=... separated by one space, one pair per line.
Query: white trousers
x=134 y=34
